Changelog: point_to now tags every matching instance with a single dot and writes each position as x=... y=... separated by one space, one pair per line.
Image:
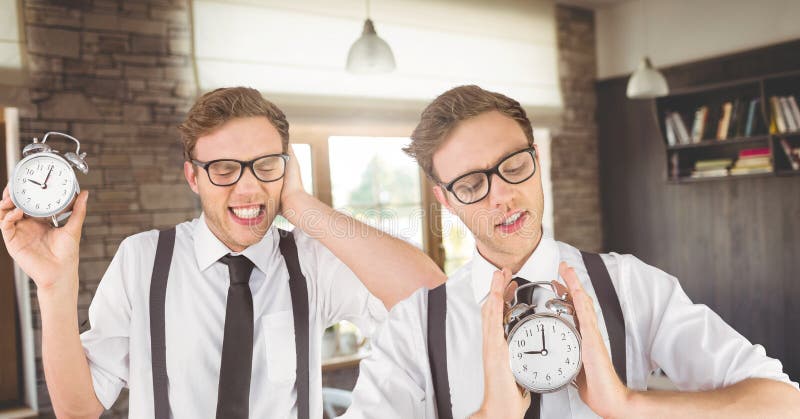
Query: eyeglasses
x=226 y=172
x=515 y=168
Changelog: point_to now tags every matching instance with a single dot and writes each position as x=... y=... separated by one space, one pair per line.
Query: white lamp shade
x=370 y=53
x=647 y=82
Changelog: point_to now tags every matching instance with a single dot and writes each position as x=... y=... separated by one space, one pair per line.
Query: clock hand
x=34 y=182
x=544 y=348
x=44 y=184
x=532 y=352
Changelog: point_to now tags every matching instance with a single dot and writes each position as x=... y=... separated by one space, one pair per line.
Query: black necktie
x=534 y=411
x=233 y=396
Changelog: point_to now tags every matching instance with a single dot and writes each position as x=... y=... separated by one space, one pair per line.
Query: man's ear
x=441 y=196
x=190 y=173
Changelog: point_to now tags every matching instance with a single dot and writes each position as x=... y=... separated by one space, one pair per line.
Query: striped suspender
x=158 y=291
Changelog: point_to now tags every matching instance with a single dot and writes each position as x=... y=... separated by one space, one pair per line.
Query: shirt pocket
x=280 y=346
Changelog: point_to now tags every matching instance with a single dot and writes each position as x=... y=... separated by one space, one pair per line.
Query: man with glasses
x=443 y=353
x=222 y=315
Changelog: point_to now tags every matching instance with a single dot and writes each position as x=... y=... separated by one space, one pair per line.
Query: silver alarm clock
x=543 y=343
x=43 y=183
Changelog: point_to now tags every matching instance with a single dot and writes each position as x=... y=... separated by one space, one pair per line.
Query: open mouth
x=513 y=222
x=247 y=214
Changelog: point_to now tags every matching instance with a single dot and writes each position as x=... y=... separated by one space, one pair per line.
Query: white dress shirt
x=118 y=344
x=693 y=345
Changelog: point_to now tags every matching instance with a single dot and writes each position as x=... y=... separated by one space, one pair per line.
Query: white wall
x=680 y=31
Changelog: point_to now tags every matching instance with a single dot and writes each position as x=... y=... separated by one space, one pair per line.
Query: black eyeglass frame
x=242 y=166
x=489 y=172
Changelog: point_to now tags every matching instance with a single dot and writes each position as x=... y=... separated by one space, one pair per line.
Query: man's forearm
x=750 y=398
x=390 y=268
x=66 y=368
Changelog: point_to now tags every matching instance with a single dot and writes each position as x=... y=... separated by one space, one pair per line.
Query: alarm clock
x=543 y=343
x=43 y=184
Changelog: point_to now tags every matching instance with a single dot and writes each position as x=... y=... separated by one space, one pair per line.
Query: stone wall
x=117 y=75
x=574 y=173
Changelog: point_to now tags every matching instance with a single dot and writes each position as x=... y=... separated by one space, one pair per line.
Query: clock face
x=545 y=353
x=43 y=185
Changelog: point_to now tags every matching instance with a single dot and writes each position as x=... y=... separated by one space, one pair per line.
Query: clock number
x=58 y=202
x=48 y=206
x=569 y=348
x=540 y=327
x=64 y=183
x=564 y=337
x=567 y=361
x=548 y=377
x=560 y=372
x=554 y=328
x=37 y=206
x=64 y=192
x=521 y=343
x=528 y=333
x=535 y=374
x=519 y=355
x=524 y=367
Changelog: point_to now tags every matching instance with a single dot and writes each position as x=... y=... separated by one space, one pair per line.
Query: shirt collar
x=209 y=249
x=542 y=265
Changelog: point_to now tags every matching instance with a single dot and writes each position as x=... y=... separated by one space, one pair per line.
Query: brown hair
x=220 y=106
x=451 y=107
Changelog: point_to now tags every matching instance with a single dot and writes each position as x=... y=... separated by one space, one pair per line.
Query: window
x=374 y=181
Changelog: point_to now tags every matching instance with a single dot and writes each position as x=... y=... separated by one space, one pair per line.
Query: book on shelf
x=794 y=109
x=784 y=114
x=755 y=152
x=780 y=124
x=724 y=121
x=711 y=164
x=750 y=170
x=680 y=129
x=709 y=173
x=754 y=123
x=733 y=124
x=792 y=153
x=788 y=116
x=752 y=161
x=676 y=129
x=699 y=125
x=669 y=126
x=711 y=168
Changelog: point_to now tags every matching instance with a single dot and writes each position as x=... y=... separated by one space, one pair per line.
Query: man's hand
x=502 y=397
x=598 y=383
x=45 y=253
x=292 y=184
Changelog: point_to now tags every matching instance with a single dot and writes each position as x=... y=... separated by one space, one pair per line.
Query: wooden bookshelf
x=681 y=157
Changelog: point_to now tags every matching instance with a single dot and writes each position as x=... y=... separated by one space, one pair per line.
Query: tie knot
x=239 y=268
